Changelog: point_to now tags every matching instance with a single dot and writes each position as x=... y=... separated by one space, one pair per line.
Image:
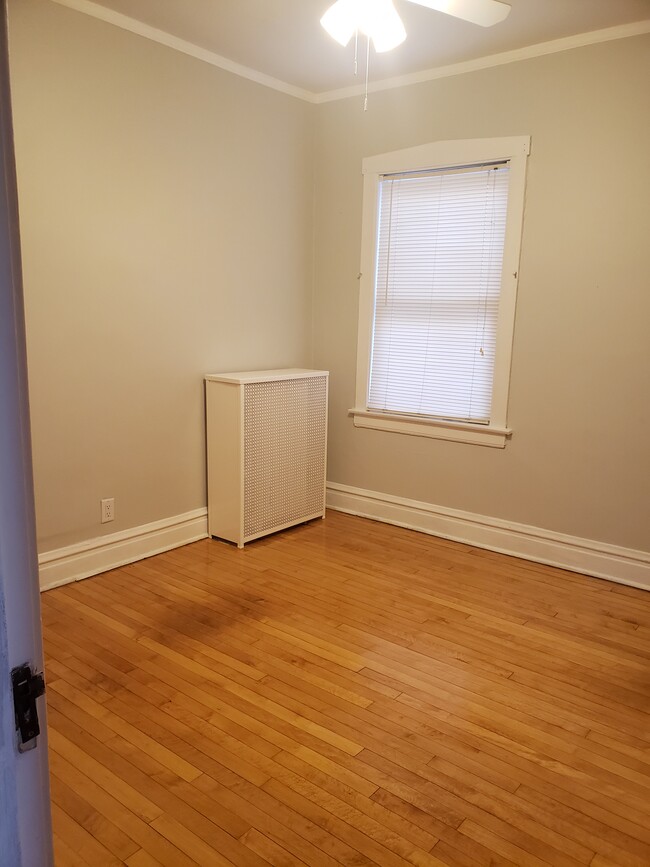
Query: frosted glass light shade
x=378 y=19
x=340 y=21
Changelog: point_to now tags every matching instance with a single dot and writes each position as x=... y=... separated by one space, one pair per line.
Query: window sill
x=484 y=435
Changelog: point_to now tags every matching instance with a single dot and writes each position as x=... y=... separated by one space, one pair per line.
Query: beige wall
x=579 y=459
x=166 y=232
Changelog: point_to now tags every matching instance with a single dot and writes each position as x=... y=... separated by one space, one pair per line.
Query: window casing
x=440 y=258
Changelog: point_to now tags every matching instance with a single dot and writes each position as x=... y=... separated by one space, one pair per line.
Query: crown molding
x=117 y=19
x=124 y=22
x=580 y=40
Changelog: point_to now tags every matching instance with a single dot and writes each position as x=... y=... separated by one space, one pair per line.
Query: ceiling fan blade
x=483 y=12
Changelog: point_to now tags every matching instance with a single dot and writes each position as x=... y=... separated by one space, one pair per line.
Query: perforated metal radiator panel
x=284 y=452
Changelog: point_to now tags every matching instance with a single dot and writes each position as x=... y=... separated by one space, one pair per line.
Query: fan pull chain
x=356 y=52
x=365 y=101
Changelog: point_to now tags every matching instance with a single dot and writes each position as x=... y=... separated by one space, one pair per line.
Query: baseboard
x=622 y=565
x=614 y=563
x=75 y=562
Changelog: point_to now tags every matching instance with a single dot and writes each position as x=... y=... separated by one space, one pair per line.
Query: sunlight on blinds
x=438 y=279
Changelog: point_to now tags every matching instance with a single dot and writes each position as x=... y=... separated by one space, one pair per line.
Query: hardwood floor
x=348 y=693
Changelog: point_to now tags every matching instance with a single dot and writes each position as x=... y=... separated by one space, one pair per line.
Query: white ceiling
x=283 y=38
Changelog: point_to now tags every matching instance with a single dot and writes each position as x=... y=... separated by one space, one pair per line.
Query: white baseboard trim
x=622 y=565
x=64 y=565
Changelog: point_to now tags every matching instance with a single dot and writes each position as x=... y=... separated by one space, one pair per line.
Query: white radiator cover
x=267 y=446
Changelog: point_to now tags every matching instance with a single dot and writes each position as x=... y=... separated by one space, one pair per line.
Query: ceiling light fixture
x=379 y=21
x=376 y=19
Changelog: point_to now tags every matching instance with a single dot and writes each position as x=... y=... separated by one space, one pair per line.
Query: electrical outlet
x=108 y=510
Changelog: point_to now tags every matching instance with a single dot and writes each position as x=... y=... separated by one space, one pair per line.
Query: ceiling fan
x=381 y=23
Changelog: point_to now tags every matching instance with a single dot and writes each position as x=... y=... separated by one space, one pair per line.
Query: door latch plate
x=27 y=686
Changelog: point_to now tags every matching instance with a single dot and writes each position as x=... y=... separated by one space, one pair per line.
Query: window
x=441 y=237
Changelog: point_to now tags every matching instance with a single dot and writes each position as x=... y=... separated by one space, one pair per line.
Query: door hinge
x=27 y=686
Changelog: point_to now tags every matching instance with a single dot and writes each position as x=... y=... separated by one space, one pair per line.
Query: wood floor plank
x=269 y=850
x=91 y=820
x=360 y=802
x=267 y=817
x=64 y=855
x=142 y=859
x=348 y=693
x=84 y=845
x=153 y=845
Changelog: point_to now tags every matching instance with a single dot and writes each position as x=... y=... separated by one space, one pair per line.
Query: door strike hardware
x=27 y=686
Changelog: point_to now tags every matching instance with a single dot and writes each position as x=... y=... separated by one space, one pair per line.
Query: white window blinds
x=438 y=279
